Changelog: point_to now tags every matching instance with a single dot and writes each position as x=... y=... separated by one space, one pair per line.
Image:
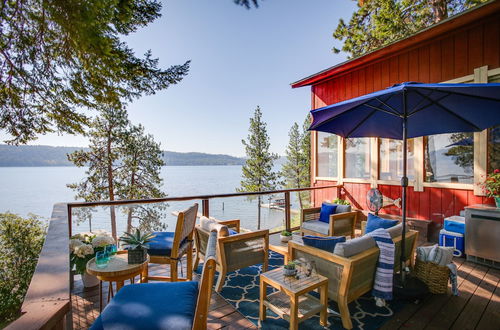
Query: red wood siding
x=448 y=57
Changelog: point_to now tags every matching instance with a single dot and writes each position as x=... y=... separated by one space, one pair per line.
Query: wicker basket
x=435 y=276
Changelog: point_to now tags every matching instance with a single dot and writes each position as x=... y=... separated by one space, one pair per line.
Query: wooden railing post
x=205 y=209
x=288 y=224
x=70 y=221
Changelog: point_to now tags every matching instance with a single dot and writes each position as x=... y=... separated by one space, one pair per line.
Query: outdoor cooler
x=482 y=239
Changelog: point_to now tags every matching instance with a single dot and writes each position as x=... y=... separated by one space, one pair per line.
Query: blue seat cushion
x=161 y=244
x=375 y=222
x=150 y=306
x=323 y=243
x=327 y=209
x=232 y=232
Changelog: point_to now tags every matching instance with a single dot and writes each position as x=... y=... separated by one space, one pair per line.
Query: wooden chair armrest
x=363 y=227
x=343 y=215
x=246 y=236
x=235 y=223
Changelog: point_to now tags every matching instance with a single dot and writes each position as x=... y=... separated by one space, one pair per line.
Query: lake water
x=35 y=190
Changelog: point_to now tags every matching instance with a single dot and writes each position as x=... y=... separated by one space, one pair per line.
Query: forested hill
x=56 y=156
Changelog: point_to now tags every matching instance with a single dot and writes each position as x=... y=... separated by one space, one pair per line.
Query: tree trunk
x=439 y=9
x=130 y=210
x=111 y=189
x=258 y=212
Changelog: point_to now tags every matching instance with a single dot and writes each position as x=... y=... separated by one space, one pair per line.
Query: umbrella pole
x=404 y=185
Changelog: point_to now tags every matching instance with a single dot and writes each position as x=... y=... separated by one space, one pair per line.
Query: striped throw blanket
x=382 y=287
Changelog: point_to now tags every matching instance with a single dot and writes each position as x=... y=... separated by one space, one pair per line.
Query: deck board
x=477 y=306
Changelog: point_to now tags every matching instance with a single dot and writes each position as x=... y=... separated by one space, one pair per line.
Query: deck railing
x=47 y=304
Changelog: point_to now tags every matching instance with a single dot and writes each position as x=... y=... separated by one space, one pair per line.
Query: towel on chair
x=382 y=286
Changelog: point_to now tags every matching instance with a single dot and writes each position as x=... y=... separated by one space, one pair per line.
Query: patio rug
x=241 y=290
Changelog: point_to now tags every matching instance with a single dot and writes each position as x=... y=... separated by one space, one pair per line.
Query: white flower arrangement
x=84 y=250
x=102 y=240
x=73 y=243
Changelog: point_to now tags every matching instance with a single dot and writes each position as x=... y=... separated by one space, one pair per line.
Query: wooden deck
x=476 y=307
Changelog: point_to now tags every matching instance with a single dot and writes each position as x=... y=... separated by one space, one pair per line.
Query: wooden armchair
x=235 y=251
x=342 y=223
x=169 y=247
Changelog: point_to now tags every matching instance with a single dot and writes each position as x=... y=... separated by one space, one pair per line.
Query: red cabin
x=446 y=170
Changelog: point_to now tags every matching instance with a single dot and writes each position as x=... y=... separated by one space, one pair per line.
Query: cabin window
x=449 y=158
x=327 y=155
x=493 y=149
x=357 y=158
x=391 y=159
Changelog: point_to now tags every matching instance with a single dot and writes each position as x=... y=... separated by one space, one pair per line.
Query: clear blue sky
x=240 y=59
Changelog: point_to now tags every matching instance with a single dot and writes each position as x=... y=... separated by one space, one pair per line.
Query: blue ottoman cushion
x=150 y=306
x=375 y=222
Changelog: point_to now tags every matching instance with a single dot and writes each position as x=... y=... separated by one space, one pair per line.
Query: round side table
x=117 y=270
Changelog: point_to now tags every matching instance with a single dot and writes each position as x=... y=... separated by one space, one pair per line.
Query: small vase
x=497 y=202
x=289 y=272
x=89 y=281
x=137 y=256
x=285 y=238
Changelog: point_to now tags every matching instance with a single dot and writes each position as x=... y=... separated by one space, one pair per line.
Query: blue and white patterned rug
x=241 y=290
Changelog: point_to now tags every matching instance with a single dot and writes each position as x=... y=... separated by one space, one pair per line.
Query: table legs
x=294 y=312
x=323 y=318
x=263 y=296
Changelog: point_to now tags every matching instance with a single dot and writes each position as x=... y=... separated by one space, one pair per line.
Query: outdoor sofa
x=351 y=268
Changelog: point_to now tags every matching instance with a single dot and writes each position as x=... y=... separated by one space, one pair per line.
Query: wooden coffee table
x=292 y=302
x=276 y=245
x=118 y=270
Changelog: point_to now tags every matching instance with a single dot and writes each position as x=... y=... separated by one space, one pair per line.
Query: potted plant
x=340 y=201
x=285 y=236
x=290 y=269
x=137 y=245
x=492 y=186
x=83 y=247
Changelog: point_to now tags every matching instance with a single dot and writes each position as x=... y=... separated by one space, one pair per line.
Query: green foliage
x=136 y=240
x=60 y=57
x=492 y=184
x=258 y=174
x=290 y=265
x=340 y=201
x=296 y=171
x=123 y=163
x=21 y=241
x=463 y=155
x=380 y=22
x=286 y=233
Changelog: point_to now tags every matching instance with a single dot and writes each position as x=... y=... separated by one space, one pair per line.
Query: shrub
x=21 y=241
x=340 y=201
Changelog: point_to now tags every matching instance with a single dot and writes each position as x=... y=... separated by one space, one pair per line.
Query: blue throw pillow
x=375 y=222
x=323 y=243
x=232 y=232
x=326 y=210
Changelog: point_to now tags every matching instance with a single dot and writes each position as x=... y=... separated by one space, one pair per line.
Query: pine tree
x=123 y=163
x=139 y=178
x=258 y=173
x=296 y=169
x=378 y=23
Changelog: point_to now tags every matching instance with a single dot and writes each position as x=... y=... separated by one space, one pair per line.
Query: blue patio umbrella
x=410 y=110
